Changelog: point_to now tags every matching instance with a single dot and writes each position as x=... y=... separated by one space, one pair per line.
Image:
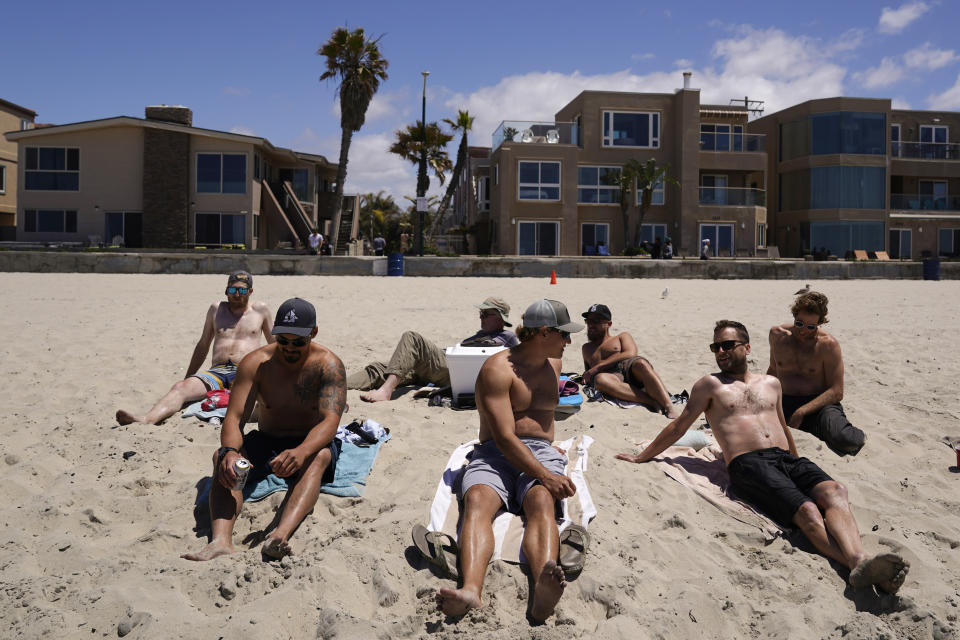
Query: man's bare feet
x=213 y=550
x=885 y=570
x=456 y=602
x=547 y=592
x=276 y=548
x=377 y=395
x=125 y=417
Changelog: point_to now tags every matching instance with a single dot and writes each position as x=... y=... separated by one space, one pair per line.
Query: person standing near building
x=705 y=249
x=315 y=240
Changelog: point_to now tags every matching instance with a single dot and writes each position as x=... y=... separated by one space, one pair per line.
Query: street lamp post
x=422 y=172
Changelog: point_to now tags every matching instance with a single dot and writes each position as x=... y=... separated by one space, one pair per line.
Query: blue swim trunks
x=218 y=376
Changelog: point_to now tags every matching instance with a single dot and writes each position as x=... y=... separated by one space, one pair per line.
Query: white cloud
x=682 y=63
x=244 y=131
x=884 y=75
x=642 y=56
x=900 y=103
x=949 y=99
x=236 y=91
x=926 y=57
x=896 y=20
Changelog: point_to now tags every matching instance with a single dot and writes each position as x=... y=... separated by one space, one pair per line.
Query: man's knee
x=481 y=499
x=317 y=463
x=640 y=365
x=190 y=387
x=539 y=502
x=604 y=381
x=808 y=516
x=830 y=494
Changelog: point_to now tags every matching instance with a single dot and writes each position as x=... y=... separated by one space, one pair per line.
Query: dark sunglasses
x=726 y=345
x=299 y=342
x=232 y=291
x=563 y=334
x=488 y=313
x=810 y=327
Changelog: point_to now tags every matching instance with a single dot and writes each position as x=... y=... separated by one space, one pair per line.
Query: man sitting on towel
x=233 y=327
x=514 y=466
x=808 y=363
x=300 y=387
x=746 y=415
x=612 y=366
x=416 y=360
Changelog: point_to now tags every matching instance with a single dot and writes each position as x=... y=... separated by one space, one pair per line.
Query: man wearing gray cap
x=233 y=327
x=515 y=467
x=416 y=360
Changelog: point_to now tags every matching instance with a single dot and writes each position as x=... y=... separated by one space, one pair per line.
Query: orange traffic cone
x=553 y=277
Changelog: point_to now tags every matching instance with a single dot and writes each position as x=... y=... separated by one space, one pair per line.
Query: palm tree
x=649 y=175
x=463 y=123
x=376 y=212
x=357 y=63
x=408 y=144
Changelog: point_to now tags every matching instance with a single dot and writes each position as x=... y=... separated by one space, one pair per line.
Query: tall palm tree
x=408 y=144
x=376 y=212
x=649 y=175
x=356 y=62
x=463 y=123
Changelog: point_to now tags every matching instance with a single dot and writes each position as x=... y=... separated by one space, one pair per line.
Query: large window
x=720 y=237
x=848 y=132
x=847 y=188
x=220 y=228
x=221 y=173
x=653 y=232
x=52 y=169
x=899 y=246
x=123 y=227
x=598 y=185
x=538 y=238
x=713 y=189
x=3 y=178
x=843 y=236
x=483 y=193
x=948 y=241
x=721 y=137
x=593 y=236
x=539 y=181
x=657 y=197
x=624 y=129
x=49 y=221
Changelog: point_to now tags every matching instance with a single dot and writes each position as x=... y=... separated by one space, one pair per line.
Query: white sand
x=91 y=541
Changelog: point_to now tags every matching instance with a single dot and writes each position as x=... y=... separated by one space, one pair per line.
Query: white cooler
x=464 y=364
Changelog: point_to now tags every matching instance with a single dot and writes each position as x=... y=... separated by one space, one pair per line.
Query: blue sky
x=251 y=67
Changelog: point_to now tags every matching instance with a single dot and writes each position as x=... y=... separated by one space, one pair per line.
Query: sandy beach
x=92 y=535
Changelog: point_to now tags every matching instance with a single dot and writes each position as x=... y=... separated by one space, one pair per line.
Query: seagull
x=804 y=290
x=665 y=293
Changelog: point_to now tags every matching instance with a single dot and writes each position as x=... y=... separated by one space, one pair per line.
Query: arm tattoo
x=333 y=392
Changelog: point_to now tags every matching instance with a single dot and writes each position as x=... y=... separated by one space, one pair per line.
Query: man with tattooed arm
x=301 y=388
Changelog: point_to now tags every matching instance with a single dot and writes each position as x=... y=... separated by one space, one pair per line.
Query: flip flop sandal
x=438 y=548
x=574 y=542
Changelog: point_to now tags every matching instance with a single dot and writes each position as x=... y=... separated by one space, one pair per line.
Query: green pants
x=416 y=360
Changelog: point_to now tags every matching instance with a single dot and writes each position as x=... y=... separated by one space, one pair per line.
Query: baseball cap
x=600 y=310
x=240 y=276
x=500 y=305
x=296 y=316
x=550 y=313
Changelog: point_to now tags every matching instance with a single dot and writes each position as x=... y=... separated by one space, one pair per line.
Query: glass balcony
x=736 y=142
x=925 y=150
x=528 y=132
x=733 y=197
x=915 y=202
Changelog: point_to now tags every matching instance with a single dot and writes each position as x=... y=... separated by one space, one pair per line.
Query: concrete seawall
x=509 y=266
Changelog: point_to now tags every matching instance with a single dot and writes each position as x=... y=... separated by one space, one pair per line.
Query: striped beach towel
x=508 y=528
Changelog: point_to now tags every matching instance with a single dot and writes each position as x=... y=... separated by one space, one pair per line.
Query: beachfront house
x=13 y=117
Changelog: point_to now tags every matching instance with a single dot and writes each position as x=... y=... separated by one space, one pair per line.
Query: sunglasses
x=488 y=313
x=299 y=342
x=232 y=291
x=726 y=345
x=810 y=327
x=563 y=334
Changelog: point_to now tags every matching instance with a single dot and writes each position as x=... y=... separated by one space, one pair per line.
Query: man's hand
x=226 y=476
x=797 y=418
x=287 y=463
x=629 y=458
x=560 y=487
x=589 y=374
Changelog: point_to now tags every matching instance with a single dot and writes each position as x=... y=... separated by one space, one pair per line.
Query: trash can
x=931 y=269
x=395 y=264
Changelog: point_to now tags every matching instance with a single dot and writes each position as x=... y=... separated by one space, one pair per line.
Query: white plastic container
x=464 y=364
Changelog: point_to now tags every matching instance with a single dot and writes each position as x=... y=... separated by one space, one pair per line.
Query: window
x=256 y=166
x=25 y=124
x=256 y=226
x=657 y=197
x=721 y=239
x=623 y=129
x=598 y=185
x=761 y=235
x=847 y=132
x=949 y=242
x=933 y=194
x=221 y=173
x=847 y=188
x=713 y=189
x=3 y=178
x=219 y=228
x=933 y=141
x=895 y=140
x=52 y=169
x=577 y=130
x=652 y=232
x=592 y=236
x=899 y=243
x=49 y=221
x=538 y=238
x=123 y=228
x=539 y=181
x=843 y=236
x=721 y=137
x=483 y=194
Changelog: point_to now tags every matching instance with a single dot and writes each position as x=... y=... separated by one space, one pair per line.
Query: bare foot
x=377 y=395
x=213 y=550
x=125 y=417
x=276 y=548
x=885 y=570
x=456 y=602
x=674 y=412
x=547 y=592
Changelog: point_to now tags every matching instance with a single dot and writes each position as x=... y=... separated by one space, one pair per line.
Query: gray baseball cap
x=498 y=304
x=550 y=313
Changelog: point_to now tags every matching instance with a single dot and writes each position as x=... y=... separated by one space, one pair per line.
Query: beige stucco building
x=12 y=118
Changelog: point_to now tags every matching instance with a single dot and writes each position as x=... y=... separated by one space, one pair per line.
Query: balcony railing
x=736 y=142
x=914 y=202
x=528 y=132
x=926 y=150
x=733 y=197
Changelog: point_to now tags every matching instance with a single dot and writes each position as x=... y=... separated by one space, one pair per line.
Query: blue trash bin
x=931 y=269
x=395 y=264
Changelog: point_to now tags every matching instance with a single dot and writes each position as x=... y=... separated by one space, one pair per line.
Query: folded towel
x=195 y=410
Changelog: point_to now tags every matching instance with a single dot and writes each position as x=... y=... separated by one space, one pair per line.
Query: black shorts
x=775 y=481
x=260 y=448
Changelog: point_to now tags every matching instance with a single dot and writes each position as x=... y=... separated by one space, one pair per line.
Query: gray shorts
x=489 y=467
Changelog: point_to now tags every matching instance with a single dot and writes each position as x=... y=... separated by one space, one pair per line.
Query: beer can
x=241 y=467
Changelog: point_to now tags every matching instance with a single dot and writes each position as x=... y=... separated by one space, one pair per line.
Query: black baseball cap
x=600 y=310
x=240 y=276
x=296 y=316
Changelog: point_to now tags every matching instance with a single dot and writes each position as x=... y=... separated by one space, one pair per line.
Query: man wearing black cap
x=302 y=393
x=515 y=467
x=612 y=366
x=233 y=327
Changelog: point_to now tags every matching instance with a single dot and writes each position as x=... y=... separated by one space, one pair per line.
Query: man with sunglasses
x=746 y=417
x=808 y=362
x=416 y=360
x=515 y=466
x=301 y=388
x=233 y=327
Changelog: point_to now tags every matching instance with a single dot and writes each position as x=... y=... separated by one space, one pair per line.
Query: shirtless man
x=809 y=365
x=301 y=389
x=515 y=467
x=611 y=364
x=233 y=327
x=746 y=417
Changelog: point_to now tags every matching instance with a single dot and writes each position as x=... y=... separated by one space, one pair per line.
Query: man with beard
x=746 y=417
x=612 y=366
x=233 y=327
x=301 y=388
